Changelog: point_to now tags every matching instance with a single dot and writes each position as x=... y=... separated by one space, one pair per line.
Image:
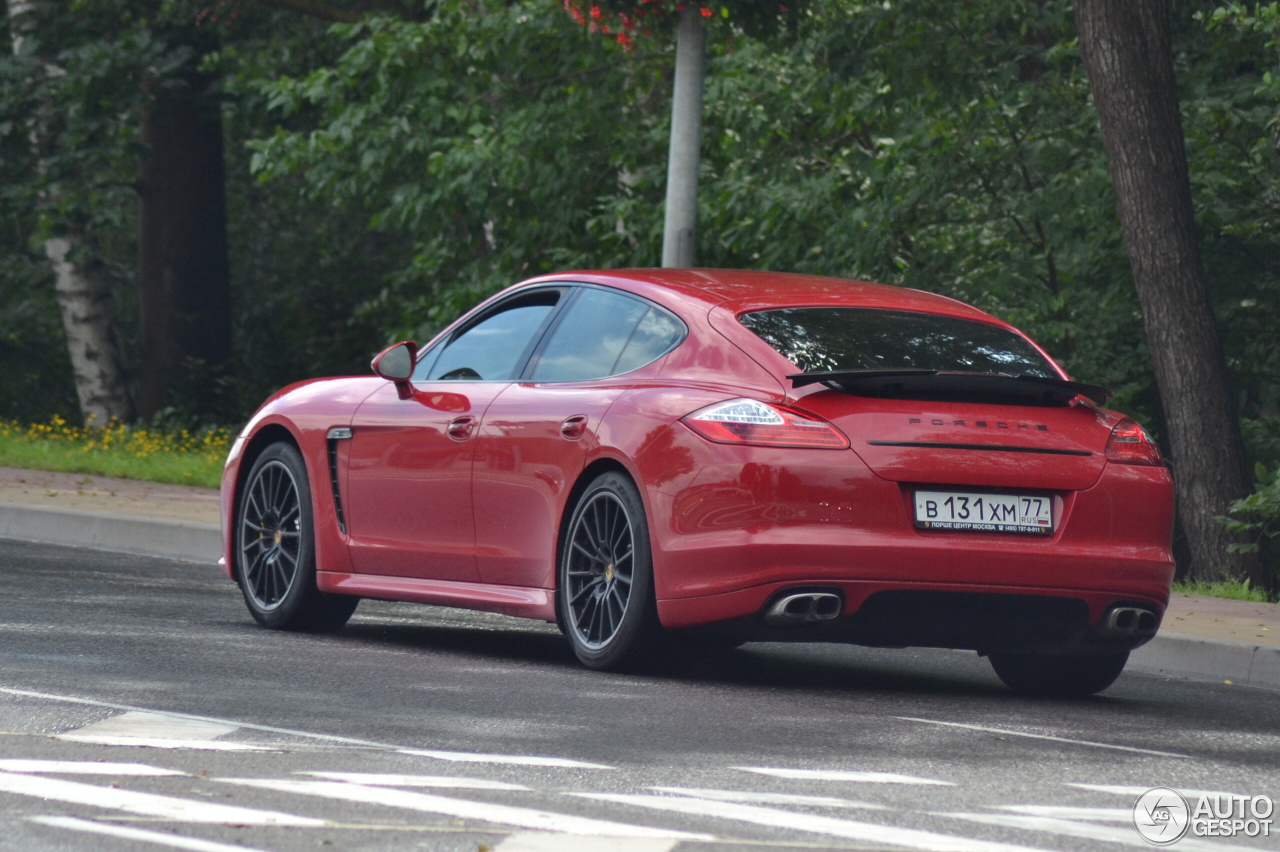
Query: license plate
x=998 y=513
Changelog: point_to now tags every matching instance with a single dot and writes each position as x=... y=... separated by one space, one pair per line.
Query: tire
x=605 y=578
x=1059 y=675
x=275 y=548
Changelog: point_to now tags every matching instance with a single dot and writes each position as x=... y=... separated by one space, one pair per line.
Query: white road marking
x=159 y=742
x=773 y=818
x=529 y=841
x=1138 y=791
x=84 y=767
x=141 y=729
x=1125 y=836
x=310 y=735
x=249 y=726
x=839 y=775
x=383 y=780
x=508 y=759
x=1007 y=733
x=136 y=723
x=1068 y=812
x=769 y=798
x=462 y=809
x=144 y=804
x=141 y=835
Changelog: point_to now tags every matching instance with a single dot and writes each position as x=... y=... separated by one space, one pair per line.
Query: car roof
x=742 y=291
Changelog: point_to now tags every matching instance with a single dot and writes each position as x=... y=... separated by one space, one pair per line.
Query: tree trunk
x=84 y=300
x=680 y=228
x=1125 y=46
x=183 y=279
x=83 y=292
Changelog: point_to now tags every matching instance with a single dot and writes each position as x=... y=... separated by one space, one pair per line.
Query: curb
x=1176 y=655
x=1169 y=654
x=180 y=540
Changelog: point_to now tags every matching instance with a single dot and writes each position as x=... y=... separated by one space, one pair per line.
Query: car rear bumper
x=747 y=525
x=877 y=613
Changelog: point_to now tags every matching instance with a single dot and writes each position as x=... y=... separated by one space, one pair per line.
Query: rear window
x=821 y=339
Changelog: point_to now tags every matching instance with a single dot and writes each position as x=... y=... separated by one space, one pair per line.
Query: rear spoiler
x=995 y=388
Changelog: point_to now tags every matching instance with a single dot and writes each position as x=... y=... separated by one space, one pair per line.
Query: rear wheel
x=605 y=583
x=275 y=548
x=1059 y=675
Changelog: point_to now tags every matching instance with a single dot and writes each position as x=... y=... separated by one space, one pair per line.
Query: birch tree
x=83 y=291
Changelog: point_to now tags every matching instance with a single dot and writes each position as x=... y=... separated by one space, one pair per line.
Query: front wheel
x=605 y=577
x=275 y=548
x=1059 y=675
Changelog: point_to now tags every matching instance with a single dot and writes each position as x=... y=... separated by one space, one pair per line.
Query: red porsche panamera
x=724 y=456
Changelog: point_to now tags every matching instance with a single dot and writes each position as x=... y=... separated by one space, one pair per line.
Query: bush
x=1258 y=518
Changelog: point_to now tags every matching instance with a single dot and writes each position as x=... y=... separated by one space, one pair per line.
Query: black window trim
x=522 y=363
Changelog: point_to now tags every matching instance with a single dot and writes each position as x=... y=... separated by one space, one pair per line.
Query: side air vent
x=336 y=434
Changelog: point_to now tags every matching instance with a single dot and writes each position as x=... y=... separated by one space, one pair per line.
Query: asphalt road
x=141 y=707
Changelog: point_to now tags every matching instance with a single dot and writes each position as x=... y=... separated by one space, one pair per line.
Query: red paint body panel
x=526 y=603
x=473 y=520
x=1054 y=448
x=525 y=466
x=304 y=412
x=408 y=482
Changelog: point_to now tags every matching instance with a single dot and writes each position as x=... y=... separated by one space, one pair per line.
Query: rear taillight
x=1130 y=444
x=749 y=421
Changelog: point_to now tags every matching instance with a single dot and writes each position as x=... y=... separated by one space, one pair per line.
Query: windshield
x=825 y=339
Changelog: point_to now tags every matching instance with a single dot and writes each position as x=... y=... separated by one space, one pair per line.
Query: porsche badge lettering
x=980 y=424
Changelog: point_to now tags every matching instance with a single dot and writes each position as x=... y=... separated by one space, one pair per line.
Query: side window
x=488 y=351
x=657 y=332
x=603 y=334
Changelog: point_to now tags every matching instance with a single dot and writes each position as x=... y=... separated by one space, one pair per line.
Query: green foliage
x=70 y=102
x=81 y=82
x=1236 y=590
x=945 y=146
x=1258 y=515
x=1233 y=130
x=480 y=143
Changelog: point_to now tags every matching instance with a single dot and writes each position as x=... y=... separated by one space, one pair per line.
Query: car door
x=537 y=433
x=411 y=453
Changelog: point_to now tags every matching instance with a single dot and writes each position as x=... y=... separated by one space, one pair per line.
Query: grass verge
x=1236 y=590
x=126 y=452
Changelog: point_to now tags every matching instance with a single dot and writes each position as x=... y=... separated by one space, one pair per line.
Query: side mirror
x=395 y=363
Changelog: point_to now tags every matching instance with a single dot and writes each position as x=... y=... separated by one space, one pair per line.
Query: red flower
x=706 y=13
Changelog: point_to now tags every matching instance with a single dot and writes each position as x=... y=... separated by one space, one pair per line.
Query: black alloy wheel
x=606 y=577
x=275 y=547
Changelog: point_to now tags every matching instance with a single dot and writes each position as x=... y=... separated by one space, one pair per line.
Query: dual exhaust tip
x=1130 y=621
x=810 y=607
x=796 y=608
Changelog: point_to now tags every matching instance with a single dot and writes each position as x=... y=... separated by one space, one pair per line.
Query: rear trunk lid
x=971 y=444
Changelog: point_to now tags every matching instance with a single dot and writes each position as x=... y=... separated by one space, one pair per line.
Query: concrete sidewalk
x=1203 y=638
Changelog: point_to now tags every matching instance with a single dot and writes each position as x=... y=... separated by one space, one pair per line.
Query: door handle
x=574 y=428
x=461 y=428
